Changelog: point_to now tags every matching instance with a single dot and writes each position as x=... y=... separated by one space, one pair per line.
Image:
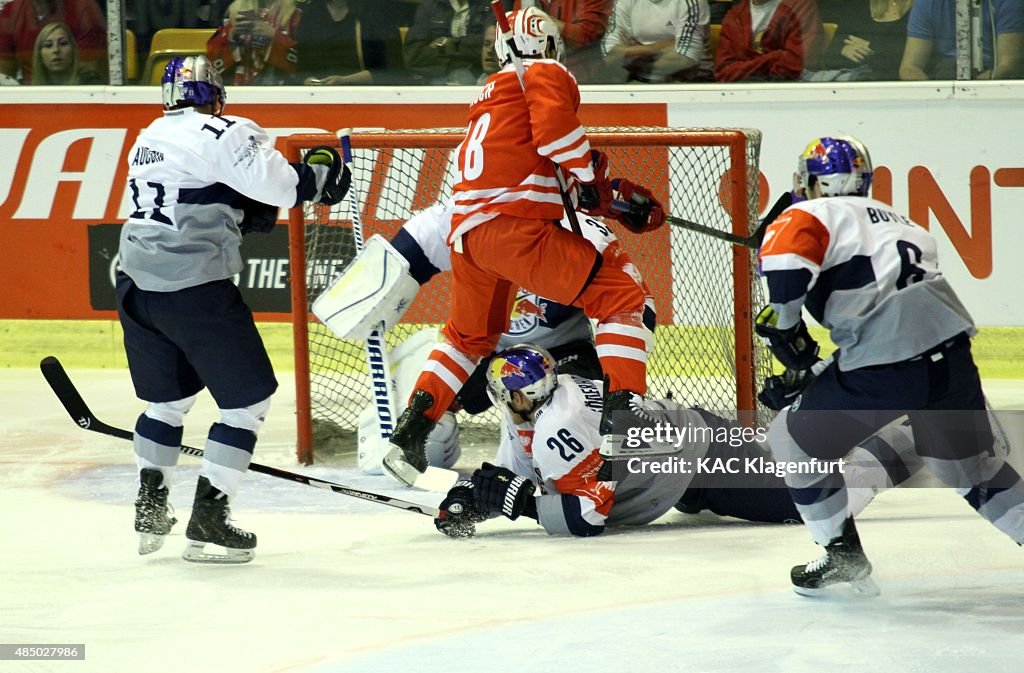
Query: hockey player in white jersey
x=870 y=275
x=199 y=181
x=548 y=466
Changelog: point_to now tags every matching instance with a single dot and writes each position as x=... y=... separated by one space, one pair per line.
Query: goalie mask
x=524 y=368
x=534 y=34
x=839 y=166
x=191 y=81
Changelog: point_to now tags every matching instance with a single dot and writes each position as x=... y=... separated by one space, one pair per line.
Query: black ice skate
x=210 y=525
x=153 y=516
x=624 y=409
x=407 y=458
x=844 y=562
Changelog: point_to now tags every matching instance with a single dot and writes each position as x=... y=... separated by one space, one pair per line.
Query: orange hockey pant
x=507 y=253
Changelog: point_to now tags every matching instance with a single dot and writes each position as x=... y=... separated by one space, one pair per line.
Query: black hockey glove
x=457 y=516
x=781 y=391
x=498 y=490
x=258 y=217
x=339 y=177
x=595 y=198
x=793 y=347
x=636 y=207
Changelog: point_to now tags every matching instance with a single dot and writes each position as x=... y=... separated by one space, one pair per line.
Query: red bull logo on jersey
x=528 y=312
x=526 y=306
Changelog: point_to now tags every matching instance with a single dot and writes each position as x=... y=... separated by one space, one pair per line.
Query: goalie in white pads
x=548 y=467
x=199 y=180
x=871 y=276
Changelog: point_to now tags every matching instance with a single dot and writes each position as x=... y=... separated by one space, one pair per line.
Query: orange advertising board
x=63 y=176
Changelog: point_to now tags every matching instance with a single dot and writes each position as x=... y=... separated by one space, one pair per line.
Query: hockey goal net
x=704 y=288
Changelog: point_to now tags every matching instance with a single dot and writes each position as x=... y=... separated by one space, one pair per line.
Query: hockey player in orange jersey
x=505 y=235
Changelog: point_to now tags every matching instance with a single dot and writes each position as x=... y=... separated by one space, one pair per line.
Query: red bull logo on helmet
x=501 y=369
x=816 y=150
x=510 y=369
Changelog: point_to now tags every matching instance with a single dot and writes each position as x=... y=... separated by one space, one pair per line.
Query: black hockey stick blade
x=54 y=373
x=753 y=241
x=64 y=389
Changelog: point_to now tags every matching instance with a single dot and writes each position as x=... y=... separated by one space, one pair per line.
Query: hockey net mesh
x=691 y=275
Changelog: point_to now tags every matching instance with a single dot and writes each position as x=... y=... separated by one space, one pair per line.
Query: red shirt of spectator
x=20 y=25
x=789 y=44
x=583 y=21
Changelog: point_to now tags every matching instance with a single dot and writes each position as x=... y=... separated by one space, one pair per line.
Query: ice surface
x=340 y=585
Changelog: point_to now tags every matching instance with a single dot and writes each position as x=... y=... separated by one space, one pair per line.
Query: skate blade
x=195 y=552
x=398 y=467
x=150 y=542
x=862 y=588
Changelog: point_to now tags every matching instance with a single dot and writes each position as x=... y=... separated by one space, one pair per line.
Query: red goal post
x=706 y=290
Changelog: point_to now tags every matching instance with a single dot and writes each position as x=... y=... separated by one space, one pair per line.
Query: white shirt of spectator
x=460 y=19
x=760 y=17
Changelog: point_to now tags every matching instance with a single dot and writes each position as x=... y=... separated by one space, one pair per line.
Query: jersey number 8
x=474 y=156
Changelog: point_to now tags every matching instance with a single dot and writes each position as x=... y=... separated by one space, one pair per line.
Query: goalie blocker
x=375 y=287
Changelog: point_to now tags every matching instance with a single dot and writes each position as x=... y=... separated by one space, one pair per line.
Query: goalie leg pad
x=442 y=447
x=375 y=287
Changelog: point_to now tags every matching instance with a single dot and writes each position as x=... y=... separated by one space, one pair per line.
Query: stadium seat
x=830 y=32
x=171 y=42
x=131 y=56
x=716 y=31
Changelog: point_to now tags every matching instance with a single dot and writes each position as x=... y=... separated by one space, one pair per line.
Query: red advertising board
x=63 y=174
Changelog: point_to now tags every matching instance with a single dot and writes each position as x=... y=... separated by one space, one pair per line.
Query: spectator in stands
x=146 y=17
x=658 y=41
x=350 y=42
x=868 y=44
x=931 y=40
x=256 y=44
x=489 y=62
x=769 y=40
x=444 y=41
x=22 y=20
x=582 y=24
x=55 y=60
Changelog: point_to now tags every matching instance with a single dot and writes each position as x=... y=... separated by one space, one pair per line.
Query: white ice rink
x=342 y=585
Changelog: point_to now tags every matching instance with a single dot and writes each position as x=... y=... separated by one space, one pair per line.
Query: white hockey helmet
x=189 y=81
x=535 y=35
x=840 y=166
x=523 y=368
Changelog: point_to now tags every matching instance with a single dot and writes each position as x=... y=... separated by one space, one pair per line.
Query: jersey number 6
x=910 y=257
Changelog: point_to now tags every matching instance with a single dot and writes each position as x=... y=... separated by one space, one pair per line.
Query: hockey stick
x=517 y=63
x=76 y=407
x=752 y=241
x=434 y=478
x=376 y=349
